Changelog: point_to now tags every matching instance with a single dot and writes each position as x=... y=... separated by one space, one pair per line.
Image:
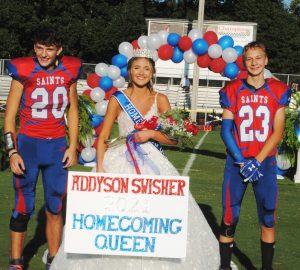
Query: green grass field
x=206 y=180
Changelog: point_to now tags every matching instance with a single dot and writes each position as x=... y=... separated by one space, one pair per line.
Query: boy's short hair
x=47 y=36
x=254 y=45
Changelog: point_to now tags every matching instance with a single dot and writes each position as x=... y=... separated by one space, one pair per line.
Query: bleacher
x=208 y=98
x=4 y=89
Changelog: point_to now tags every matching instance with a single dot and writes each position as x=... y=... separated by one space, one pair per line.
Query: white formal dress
x=202 y=246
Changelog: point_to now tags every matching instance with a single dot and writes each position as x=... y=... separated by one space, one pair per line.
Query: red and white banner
x=121 y=214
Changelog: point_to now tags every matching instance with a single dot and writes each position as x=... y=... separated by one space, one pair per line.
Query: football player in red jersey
x=252 y=126
x=43 y=88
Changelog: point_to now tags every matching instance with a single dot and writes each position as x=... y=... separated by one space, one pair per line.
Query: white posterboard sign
x=124 y=214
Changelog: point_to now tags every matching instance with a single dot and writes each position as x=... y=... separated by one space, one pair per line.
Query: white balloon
x=229 y=55
x=283 y=162
x=163 y=36
x=89 y=141
x=97 y=94
x=155 y=55
x=142 y=42
x=88 y=154
x=154 y=41
x=113 y=72
x=267 y=74
x=101 y=107
x=195 y=34
x=189 y=56
x=101 y=69
x=119 y=83
x=126 y=49
x=214 y=51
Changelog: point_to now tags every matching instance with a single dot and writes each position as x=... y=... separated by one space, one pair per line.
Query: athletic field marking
x=190 y=162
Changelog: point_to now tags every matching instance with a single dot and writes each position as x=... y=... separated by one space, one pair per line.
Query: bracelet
x=11 y=154
x=9 y=139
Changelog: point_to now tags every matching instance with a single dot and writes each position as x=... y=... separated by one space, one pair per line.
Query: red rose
x=195 y=130
x=171 y=120
x=147 y=124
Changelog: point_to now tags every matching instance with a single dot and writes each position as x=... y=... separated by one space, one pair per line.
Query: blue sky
x=287 y=2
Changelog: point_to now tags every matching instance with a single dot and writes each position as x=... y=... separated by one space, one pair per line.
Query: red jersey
x=254 y=111
x=45 y=94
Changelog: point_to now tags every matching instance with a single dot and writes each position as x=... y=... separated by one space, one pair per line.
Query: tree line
x=93 y=30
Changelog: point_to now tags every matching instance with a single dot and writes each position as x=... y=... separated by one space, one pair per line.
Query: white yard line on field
x=190 y=162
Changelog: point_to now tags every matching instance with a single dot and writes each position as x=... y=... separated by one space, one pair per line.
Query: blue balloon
x=96 y=120
x=231 y=70
x=106 y=83
x=226 y=42
x=297 y=128
x=124 y=71
x=200 y=46
x=281 y=172
x=80 y=160
x=239 y=49
x=119 y=60
x=173 y=39
x=177 y=55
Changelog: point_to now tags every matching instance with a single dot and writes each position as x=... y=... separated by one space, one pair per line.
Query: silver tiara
x=143 y=53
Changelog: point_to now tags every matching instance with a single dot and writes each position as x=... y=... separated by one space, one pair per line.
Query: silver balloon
x=119 y=83
x=229 y=55
x=189 y=56
x=163 y=36
x=214 y=51
x=88 y=154
x=126 y=49
x=142 y=42
x=154 y=41
x=267 y=74
x=154 y=55
x=88 y=142
x=113 y=72
x=195 y=34
x=97 y=94
x=283 y=162
x=101 y=69
x=101 y=107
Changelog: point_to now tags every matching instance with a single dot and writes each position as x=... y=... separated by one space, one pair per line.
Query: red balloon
x=87 y=92
x=217 y=65
x=185 y=43
x=210 y=37
x=110 y=92
x=203 y=61
x=240 y=63
x=135 y=44
x=243 y=74
x=98 y=129
x=93 y=80
x=165 y=52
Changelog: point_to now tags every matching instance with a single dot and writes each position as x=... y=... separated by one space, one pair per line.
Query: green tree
x=90 y=29
x=277 y=29
x=295 y=8
x=17 y=23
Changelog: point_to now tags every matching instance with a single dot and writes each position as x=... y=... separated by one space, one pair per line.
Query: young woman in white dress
x=202 y=246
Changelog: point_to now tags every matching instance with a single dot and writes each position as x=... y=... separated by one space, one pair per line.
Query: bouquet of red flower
x=175 y=124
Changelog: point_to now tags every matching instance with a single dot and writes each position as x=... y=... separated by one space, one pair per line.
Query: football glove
x=250 y=170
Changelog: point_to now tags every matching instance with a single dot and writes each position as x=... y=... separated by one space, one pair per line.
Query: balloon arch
x=207 y=50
